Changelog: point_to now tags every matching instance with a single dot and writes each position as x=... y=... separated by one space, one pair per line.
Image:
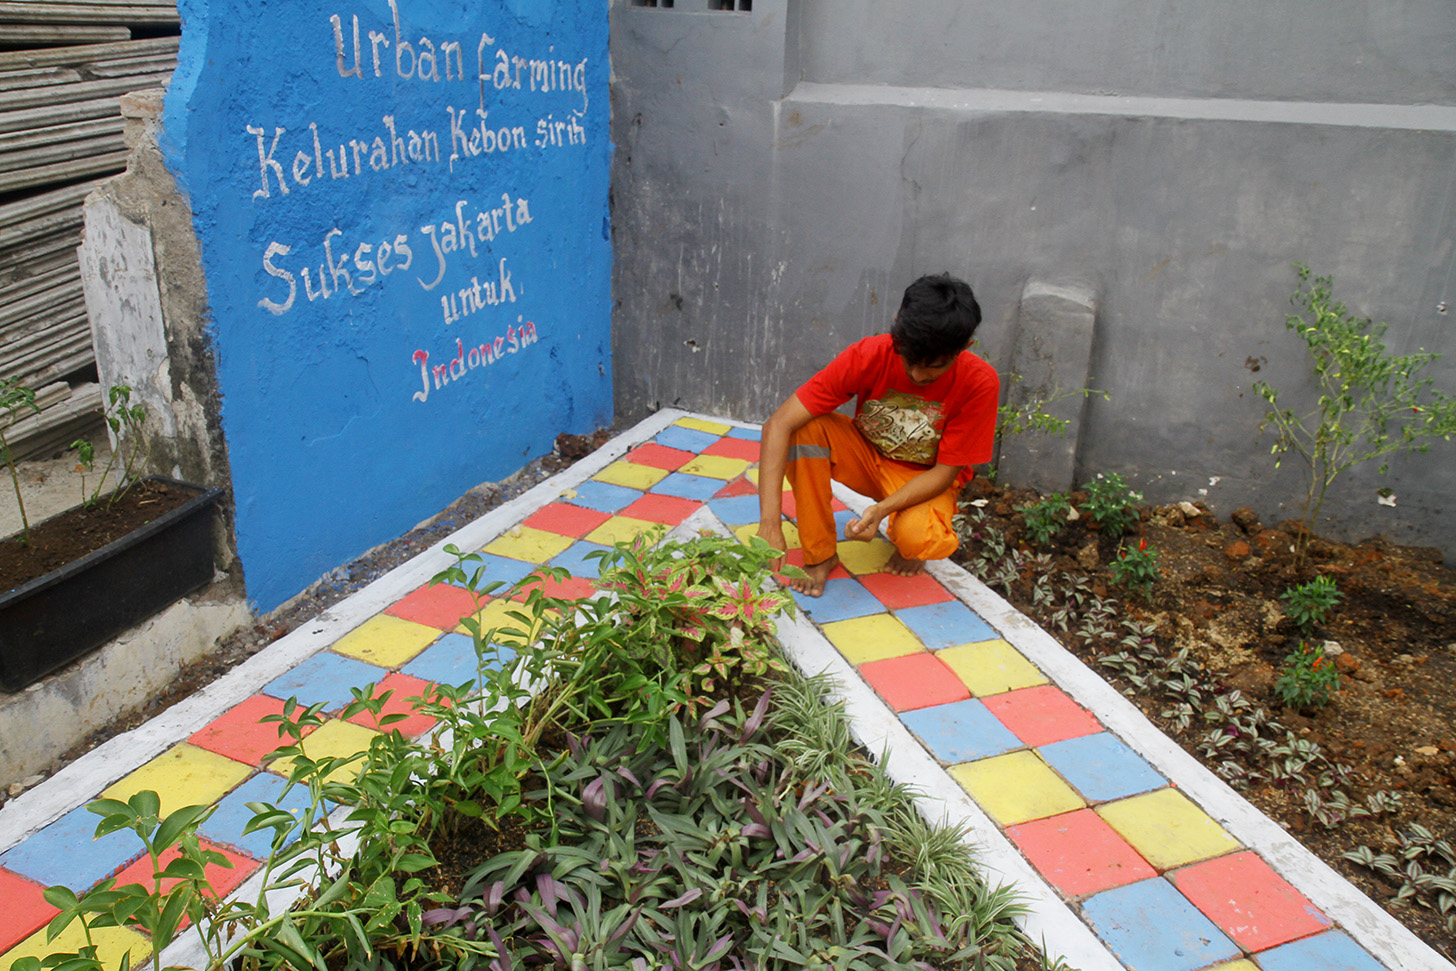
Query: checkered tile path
x=1160 y=883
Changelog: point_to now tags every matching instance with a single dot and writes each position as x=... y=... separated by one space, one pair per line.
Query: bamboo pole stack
x=63 y=69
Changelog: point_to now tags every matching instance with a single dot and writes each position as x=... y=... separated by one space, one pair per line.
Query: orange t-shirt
x=951 y=420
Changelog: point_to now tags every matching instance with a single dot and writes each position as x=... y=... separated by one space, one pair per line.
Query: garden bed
x=1387 y=736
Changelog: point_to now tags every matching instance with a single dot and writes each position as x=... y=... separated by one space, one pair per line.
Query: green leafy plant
x=1370 y=404
x=1031 y=415
x=125 y=420
x=1045 y=519
x=15 y=401
x=1309 y=603
x=1111 y=504
x=1309 y=678
x=1423 y=871
x=1136 y=567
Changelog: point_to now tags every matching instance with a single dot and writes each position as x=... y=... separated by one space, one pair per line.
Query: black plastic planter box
x=54 y=619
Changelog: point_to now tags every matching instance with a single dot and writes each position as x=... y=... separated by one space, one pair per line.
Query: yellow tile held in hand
x=184 y=775
x=716 y=467
x=698 y=424
x=750 y=530
x=619 y=529
x=1167 y=828
x=753 y=477
x=872 y=638
x=112 y=944
x=861 y=558
x=529 y=544
x=631 y=475
x=332 y=739
x=1016 y=788
x=386 y=641
x=991 y=667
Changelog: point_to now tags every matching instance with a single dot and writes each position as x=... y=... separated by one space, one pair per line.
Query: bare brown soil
x=84 y=529
x=1393 y=718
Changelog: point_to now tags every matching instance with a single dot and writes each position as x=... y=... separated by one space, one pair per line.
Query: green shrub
x=1045 y=519
x=1308 y=680
x=1111 y=504
x=1308 y=603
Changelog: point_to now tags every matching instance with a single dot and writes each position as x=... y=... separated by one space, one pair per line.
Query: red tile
x=565 y=519
x=898 y=593
x=914 y=681
x=441 y=605
x=1079 y=854
x=668 y=510
x=734 y=448
x=224 y=880
x=738 y=487
x=1249 y=901
x=238 y=734
x=398 y=703
x=572 y=588
x=660 y=456
x=795 y=557
x=25 y=910
x=1042 y=715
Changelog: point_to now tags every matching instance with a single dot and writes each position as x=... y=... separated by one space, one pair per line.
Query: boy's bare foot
x=813 y=584
x=904 y=567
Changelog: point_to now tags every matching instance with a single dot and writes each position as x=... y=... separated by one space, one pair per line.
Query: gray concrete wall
x=781 y=175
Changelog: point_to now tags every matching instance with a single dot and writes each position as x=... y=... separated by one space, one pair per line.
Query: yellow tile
x=112 y=944
x=184 y=775
x=753 y=477
x=631 y=475
x=619 y=529
x=716 y=466
x=1016 y=787
x=750 y=530
x=386 y=641
x=1167 y=828
x=991 y=667
x=860 y=558
x=872 y=638
x=529 y=544
x=1242 y=964
x=711 y=427
x=496 y=616
x=334 y=738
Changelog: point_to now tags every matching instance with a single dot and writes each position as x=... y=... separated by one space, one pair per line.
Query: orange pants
x=830 y=447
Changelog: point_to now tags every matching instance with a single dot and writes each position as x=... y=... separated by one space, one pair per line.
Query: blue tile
x=1102 y=767
x=326 y=677
x=574 y=559
x=1150 y=926
x=842 y=599
x=451 y=660
x=227 y=823
x=496 y=569
x=1331 y=951
x=66 y=852
x=945 y=624
x=842 y=518
x=687 y=439
x=960 y=731
x=735 y=510
x=603 y=496
x=685 y=485
x=752 y=434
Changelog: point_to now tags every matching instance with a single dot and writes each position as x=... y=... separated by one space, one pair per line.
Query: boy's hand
x=866 y=526
x=772 y=533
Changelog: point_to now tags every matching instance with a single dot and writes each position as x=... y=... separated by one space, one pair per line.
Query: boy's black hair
x=937 y=318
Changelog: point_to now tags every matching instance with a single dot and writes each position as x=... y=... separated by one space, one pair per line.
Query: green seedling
x=15 y=401
x=1309 y=603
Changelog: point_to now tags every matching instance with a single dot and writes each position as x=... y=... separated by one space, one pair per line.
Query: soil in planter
x=76 y=532
x=1393 y=719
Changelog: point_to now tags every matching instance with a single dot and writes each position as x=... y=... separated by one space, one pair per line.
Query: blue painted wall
x=402 y=211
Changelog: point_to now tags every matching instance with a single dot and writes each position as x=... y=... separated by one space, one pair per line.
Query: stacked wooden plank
x=60 y=136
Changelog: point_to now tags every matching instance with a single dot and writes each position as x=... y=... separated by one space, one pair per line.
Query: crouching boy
x=925 y=413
